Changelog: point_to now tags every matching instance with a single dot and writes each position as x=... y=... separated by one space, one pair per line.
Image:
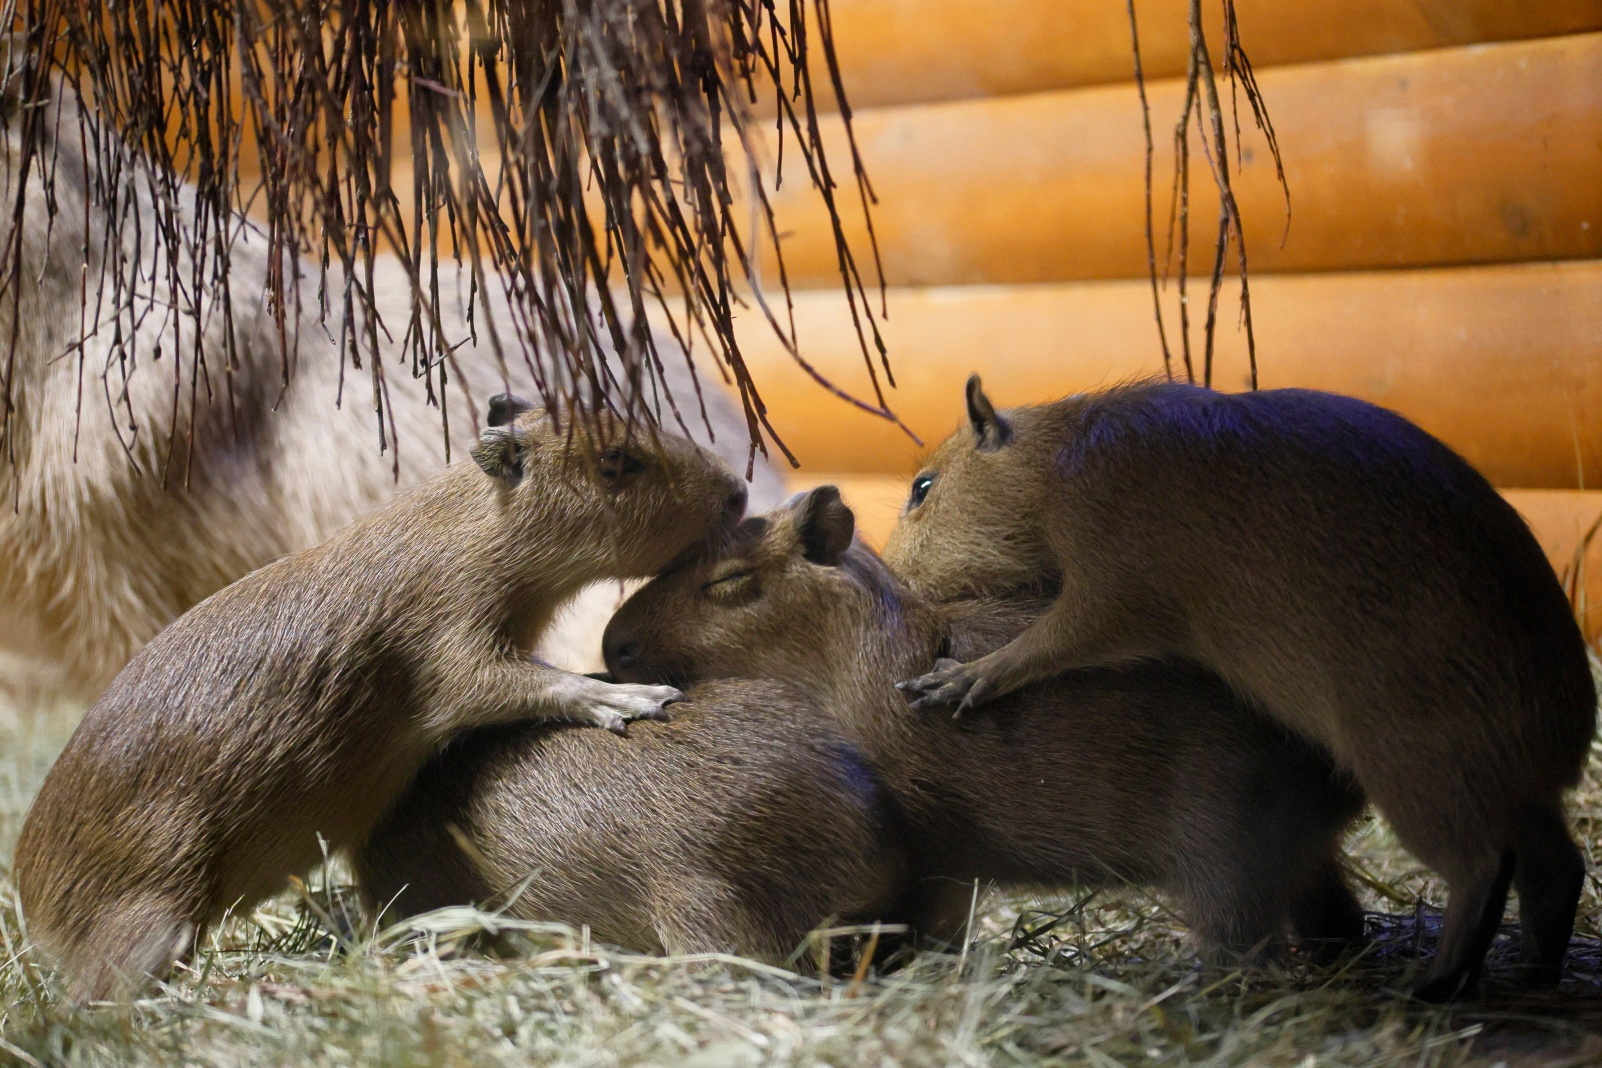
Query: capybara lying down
x=301 y=700
x=123 y=509
x=739 y=827
x=1333 y=563
x=1151 y=774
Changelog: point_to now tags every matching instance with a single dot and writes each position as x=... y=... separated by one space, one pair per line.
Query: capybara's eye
x=613 y=464
x=727 y=582
x=920 y=490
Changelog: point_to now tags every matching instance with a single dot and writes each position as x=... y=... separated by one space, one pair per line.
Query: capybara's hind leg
x=1478 y=897
x=129 y=947
x=1237 y=927
x=704 y=916
x=1549 y=877
x=412 y=865
x=939 y=910
x=1326 y=915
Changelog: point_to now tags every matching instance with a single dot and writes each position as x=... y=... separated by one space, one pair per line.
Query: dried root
x=569 y=151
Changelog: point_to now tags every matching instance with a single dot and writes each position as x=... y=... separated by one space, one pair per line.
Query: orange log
x=912 y=51
x=1561 y=520
x=1503 y=363
x=1464 y=155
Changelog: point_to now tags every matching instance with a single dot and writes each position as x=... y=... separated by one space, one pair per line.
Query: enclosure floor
x=1102 y=980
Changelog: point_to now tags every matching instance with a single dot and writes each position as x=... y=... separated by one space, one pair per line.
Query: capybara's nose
x=620 y=654
x=734 y=503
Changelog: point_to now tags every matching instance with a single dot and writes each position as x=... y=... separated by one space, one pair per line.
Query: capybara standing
x=1155 y=774
x=302 y=699
x=119 y=512
x=738 y=827
x=1327 y=558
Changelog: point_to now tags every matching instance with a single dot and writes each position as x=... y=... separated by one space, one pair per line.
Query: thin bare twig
x=1202 y=104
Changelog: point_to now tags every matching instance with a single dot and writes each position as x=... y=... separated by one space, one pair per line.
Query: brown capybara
x=302 y=699
x=738 y=827
x=120 y=511
x=1152 y=774
x=1329 y=560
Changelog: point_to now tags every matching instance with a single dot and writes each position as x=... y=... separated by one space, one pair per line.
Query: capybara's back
x=740 y=826
x=1326 y=557
x=1369 y=532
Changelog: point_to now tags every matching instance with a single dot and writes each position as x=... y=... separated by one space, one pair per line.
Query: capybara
x=1150 y=774
x=738 y=827
x=301 y=700
x=1332 y=562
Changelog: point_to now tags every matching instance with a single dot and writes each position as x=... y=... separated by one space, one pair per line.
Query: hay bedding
x=1102 y=979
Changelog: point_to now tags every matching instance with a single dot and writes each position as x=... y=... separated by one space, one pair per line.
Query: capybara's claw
x=978 y=692
x=613 y=722
x=918 y=690
x=657 y=699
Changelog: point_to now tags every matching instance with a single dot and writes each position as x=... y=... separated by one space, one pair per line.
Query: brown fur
x=111 y=527
x=1327 y=558
x=1153 y=774
x=303 y=698
x=738 y=827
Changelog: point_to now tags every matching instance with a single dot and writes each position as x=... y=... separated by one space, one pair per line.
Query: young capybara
x=120 y=510
x=1153 y=774
x=738 y=827
x=302 y=699
x=1329 y=560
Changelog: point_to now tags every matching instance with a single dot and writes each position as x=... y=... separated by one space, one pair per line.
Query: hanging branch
x=1202 y=103
x=610 y=197
x=1151 y=239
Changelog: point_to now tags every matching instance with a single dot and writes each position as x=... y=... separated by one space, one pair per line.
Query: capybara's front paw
x=950 y=683
x=616 y=704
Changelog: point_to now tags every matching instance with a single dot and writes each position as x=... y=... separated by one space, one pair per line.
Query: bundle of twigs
x=1203 y=106
x=568 y=151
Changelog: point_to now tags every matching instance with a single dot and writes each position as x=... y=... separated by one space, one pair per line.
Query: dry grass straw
x=1100 y=979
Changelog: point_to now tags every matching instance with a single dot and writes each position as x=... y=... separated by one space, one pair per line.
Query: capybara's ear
x=990 y=430
x=500 y=456
x=824 y=526
x=505 y=407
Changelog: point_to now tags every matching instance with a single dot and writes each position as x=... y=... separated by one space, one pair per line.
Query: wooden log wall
x=1459 y=155
x=1443 y=255
x=918 y=51
x=1502 y=361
